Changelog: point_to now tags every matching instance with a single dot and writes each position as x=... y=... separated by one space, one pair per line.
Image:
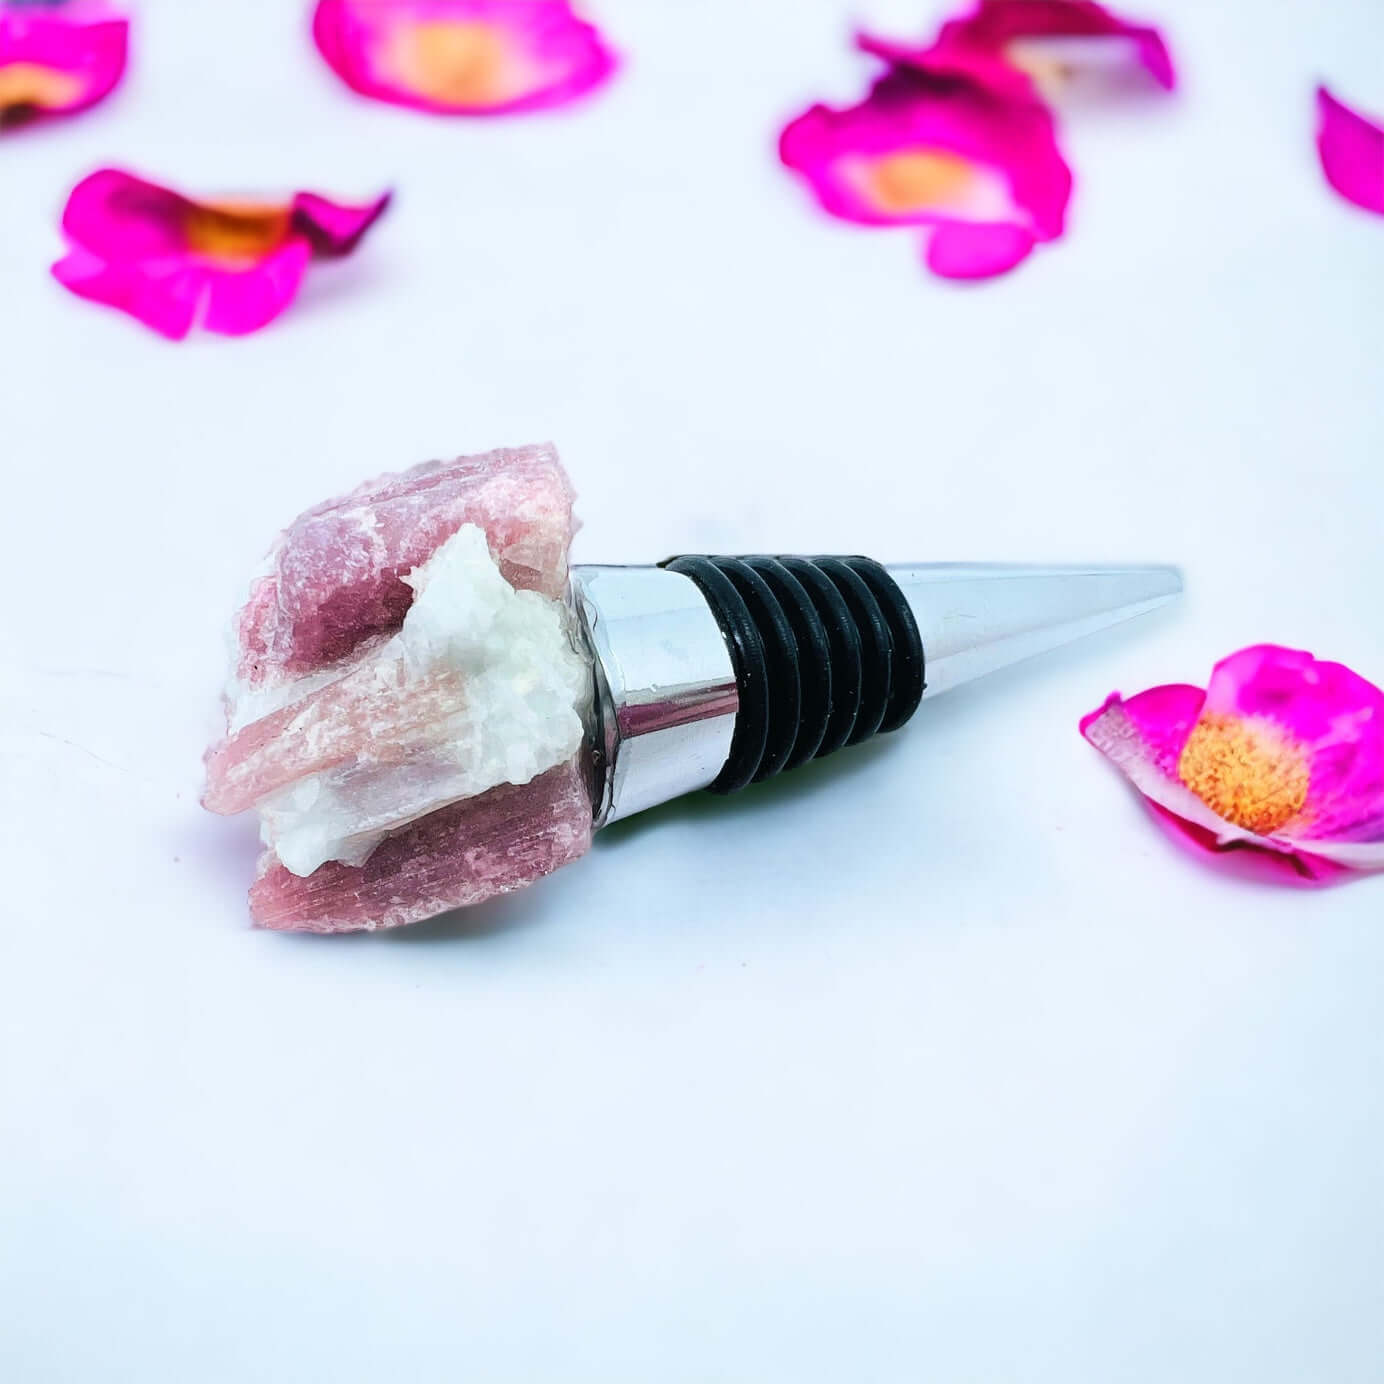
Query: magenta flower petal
x=170 y=261
x=943 y=149
x=1283 y=754
x=58 y=59
x=335 y=229
x=1244 y=861
x=961 y=250
x=124 y=218
x=463 y=57
x=1058 y=40
x=1333 y=716
x=247 y=299
x=1352 y=152
x=955 y=61
x=167 y=302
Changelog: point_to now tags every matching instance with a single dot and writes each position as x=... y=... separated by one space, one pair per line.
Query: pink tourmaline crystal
x=459 y=855
x=336 y=574
x=350 y=728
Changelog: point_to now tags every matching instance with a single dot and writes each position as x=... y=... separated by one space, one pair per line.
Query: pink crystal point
x=330 y=711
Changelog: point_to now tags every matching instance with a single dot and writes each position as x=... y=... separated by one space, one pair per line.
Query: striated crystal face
x=335 y=578
x=460 y=855
x=406 y=709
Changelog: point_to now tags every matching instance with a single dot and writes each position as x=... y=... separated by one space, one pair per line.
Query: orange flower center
x=1250 y=772
x=917 y=179
x=27 y=85
x=455 y=62
x=236 y=235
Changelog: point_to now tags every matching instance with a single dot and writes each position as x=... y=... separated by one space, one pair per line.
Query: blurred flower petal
x=334 y=229
x=167 y=260
x=1061 y=43
x=942 y=149
x=463 y=57
x=936 y=60
x=166 y=302
x=57 y=59
x=959 y=250
x=1281 y=756
x=1352 y=152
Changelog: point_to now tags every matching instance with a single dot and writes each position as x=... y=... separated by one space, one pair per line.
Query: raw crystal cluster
x=406 y=708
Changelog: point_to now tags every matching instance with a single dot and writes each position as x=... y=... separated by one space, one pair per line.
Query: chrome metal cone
x=976 y=618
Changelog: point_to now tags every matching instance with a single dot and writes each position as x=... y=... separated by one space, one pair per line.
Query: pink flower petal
x=956 y=61
x=241 y=301
x=1333 y=715
x=1057 y=40
x=959 y=250
x=167 y=302
x=168 y=261
x=1283 y=754
x=1244 y=860
x=58 y=60
x=335 y=229
x=463 y=57
x=121 y=217
x=939 y=148
x=1352 y=152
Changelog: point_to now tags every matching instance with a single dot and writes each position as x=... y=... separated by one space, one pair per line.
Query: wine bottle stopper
x=430 y=708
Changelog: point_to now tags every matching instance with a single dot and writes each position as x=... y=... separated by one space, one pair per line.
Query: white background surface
x=935 y=1063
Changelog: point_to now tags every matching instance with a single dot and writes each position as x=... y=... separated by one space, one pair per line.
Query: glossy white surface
x=933 y=1062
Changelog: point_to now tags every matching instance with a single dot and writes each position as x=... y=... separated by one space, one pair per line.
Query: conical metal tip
x=978 y=618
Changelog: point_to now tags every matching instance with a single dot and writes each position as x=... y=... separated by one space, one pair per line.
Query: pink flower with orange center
x=58 y=58
x=170 y=261
x=463 y=57
x=945 y=147
x=1276 y=768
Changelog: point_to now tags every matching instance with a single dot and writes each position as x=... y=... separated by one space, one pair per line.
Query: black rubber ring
x=751 y=672
x=876 y=645
x=844 y=643
x=781 y=659
x=814 y=657
x=909 y=670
